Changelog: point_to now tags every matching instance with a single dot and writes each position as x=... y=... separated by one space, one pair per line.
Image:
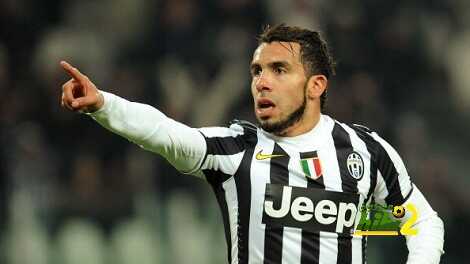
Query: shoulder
x=360 y=129
x=376 y=143
x=240 y=132
x=246 y=125
x=234 y=128
x=371 y=138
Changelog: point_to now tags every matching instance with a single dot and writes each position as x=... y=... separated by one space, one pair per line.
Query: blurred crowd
x=71 y=192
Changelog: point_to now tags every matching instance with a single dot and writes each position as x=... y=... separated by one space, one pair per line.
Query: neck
x=308 y=121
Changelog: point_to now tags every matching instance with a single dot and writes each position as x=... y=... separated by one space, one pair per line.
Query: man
x=291 y=190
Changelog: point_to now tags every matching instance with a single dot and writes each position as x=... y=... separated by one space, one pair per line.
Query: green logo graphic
x=381 y=220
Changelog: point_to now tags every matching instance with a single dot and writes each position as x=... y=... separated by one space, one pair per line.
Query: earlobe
x=316 y=85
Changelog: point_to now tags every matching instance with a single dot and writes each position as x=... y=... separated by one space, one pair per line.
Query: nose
x=262 y=82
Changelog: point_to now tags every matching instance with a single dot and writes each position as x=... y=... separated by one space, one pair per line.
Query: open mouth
x=264 y=103
x=264 y=108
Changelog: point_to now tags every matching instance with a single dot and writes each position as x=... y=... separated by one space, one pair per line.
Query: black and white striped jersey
x=297 y=199
x=287 y=200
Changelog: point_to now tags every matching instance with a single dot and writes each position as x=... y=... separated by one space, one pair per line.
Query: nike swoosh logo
x=261 y=156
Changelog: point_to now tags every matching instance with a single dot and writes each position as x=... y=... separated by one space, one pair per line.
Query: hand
x=79 y=93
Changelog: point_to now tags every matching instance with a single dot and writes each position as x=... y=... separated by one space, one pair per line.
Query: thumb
x=84 y=101
x=89 y=103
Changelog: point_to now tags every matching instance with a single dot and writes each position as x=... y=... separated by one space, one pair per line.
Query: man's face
x=278 y=85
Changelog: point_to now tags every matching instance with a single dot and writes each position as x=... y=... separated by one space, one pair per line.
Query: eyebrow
x=273 y=64
x=276 y=64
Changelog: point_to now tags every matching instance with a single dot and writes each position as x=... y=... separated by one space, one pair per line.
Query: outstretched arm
x=182 y=146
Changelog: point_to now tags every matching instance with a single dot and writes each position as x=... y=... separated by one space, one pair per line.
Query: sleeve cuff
x=107 y=102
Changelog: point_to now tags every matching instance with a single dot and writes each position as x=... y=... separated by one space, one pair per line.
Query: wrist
x=100 y=102
x=97 y=106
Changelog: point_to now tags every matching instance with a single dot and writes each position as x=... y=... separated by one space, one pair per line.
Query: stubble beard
x=280 y=127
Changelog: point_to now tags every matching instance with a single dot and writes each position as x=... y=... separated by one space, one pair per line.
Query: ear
x=316 y=85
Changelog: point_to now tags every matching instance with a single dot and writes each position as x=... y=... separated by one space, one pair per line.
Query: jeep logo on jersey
x=355 y=165
x=310 y=209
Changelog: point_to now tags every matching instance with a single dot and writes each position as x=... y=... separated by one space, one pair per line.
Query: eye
x=255 y=71
x=279 y=70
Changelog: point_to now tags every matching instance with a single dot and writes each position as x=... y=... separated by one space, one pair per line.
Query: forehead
x=277 y=51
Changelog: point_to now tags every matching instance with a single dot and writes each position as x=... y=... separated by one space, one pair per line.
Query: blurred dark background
x=71 y=192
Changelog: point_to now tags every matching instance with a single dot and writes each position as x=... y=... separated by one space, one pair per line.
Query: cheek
x=294 y=98
x=253 y=93
x=253 y=86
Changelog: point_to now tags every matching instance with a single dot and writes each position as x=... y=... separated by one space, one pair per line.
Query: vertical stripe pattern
x=240 y=163
x=242 y=181
x=344 y=148
x=311 y=240
x=279 y=174
x=219 y=191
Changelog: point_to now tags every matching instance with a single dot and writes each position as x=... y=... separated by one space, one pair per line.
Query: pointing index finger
x=72 y=71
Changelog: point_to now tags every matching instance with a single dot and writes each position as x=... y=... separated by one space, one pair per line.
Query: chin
x=276 y=127
x=267 y=120
x=279 y=125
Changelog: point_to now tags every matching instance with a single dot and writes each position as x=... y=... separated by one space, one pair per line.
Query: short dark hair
x=315 y=55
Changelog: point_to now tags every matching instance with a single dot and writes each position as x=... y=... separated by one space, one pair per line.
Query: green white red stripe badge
x=311 y=165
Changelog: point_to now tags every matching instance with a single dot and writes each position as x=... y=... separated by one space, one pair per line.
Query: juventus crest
x=355 y=165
